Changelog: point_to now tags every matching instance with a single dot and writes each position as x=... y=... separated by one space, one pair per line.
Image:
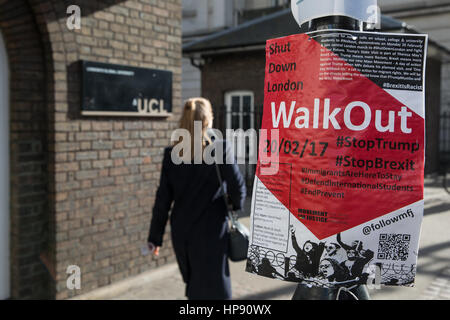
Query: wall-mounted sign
x=115 y=90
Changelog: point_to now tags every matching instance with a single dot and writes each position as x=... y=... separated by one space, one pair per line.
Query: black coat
x=198 y=222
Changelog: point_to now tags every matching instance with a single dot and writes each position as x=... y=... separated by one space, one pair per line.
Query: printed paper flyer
x=344 y=114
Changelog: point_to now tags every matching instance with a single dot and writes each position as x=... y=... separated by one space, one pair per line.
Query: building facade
x=233 y=64
x=205 y=17
x=431 y=17
x=80 y=189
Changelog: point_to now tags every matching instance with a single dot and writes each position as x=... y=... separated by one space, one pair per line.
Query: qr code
x=393 y=246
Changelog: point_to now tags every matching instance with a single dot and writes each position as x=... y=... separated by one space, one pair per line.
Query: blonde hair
x=197 y=109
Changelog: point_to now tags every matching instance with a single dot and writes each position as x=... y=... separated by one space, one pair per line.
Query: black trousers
x=303 y=292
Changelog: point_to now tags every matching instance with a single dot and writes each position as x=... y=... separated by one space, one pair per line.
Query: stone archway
x=4 y=174
x=27 y=148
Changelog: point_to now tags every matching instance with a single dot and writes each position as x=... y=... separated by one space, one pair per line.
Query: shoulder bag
x=239 y=234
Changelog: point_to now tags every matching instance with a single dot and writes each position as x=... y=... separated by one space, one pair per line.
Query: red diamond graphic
x=326 y=196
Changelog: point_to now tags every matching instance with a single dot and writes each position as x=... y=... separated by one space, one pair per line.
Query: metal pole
x=334 y=22
x=303 y=292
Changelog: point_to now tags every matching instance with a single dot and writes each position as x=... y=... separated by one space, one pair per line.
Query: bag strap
x=230 y=213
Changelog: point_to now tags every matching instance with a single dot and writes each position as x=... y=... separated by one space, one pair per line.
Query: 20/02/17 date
x=311 y=148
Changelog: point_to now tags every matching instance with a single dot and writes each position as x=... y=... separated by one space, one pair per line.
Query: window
x=240 y=114
x=240 y=110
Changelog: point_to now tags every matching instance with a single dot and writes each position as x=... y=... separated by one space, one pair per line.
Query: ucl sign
x=115 y=90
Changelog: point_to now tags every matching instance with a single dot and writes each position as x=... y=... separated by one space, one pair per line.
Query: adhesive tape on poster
x=363 y=10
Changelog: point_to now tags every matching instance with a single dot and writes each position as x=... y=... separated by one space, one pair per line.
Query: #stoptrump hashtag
x=340 y=141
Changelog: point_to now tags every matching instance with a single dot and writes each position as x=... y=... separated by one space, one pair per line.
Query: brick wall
x=432 y=114
x=83 y=187
x=28 y=144
x=234 y=71
x=229 y=72
x=445 y=98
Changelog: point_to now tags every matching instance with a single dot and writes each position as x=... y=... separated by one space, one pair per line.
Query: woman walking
x=198 y=218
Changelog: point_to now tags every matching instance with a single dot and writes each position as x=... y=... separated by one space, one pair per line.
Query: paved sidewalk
x=165 y=283
x=432 y=281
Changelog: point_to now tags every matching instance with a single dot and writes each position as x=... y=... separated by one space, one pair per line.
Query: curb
x=113 y=290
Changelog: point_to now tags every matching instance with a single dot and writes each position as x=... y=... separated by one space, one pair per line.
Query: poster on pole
x=338 y=193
